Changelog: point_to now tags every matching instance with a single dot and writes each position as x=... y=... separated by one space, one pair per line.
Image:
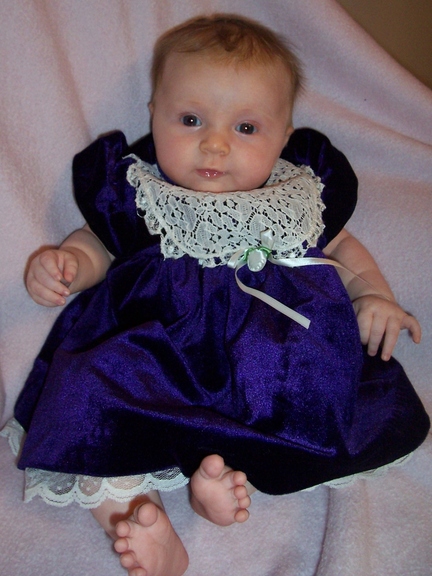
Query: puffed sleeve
x=311 y=148
x=106 y=199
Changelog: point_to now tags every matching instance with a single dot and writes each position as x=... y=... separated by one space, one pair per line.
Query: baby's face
x=219 y=127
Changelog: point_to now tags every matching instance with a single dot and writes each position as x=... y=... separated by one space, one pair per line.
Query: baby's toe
x=147 y=514
x=239 y=478
x=212 y=467
x=121 y=545
x=240 y=492
x=241 y=516
x=127 y=560
x=244 y=502
x=123 y=529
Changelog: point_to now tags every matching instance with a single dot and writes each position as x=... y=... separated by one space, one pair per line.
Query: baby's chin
x=219 y=185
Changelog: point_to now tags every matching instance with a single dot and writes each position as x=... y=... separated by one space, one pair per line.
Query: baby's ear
x=151 y=108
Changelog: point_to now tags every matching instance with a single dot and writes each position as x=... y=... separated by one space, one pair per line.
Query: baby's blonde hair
x=231 y=39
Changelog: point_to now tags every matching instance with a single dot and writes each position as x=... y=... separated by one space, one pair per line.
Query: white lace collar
x=212 y=227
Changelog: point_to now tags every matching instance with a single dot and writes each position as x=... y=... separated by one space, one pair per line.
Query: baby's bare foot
x=220 y=494
x=148 y=544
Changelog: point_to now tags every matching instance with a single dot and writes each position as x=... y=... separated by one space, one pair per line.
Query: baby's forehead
x=218 y=56
x=202 y=82
x=222 y=60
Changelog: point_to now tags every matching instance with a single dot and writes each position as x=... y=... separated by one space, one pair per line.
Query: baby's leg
x=144 y=536
x=220 y=494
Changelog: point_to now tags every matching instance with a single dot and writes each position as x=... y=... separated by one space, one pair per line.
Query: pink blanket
x=71 y=70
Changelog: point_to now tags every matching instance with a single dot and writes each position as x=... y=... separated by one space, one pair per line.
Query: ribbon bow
x=256 y=258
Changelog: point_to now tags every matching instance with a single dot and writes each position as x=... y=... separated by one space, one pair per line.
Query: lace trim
x=212 y=227
x=60 y=489
x=368 y=474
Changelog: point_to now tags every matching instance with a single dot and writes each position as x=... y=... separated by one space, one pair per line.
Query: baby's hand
x=380 y=322
x=50 y=275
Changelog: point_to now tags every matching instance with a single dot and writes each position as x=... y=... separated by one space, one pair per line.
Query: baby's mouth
x=209 y=173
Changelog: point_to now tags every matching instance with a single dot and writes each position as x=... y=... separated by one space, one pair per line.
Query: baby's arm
x=79 y=263
x=379 y=316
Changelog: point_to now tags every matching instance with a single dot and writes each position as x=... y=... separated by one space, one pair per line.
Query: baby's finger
x=364 y=324
x=46 y=297
x=376 y=334
x=70 y=268
x=40 y=279
x=45 y=290
x=51 y=263
x=390 y=338
x=413 y=326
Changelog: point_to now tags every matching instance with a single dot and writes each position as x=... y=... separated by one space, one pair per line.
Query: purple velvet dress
x=166 y=361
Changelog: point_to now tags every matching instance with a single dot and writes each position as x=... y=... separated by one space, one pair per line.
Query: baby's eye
x=246 y=128
x=191 y=120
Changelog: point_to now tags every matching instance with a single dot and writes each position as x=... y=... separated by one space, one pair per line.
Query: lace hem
x=368 y=474
x=212 y=227
x=60 y=489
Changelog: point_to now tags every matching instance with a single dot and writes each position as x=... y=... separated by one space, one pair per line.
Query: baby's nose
x=215 y=142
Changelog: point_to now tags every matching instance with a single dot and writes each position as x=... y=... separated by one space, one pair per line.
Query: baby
x=221 y=114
